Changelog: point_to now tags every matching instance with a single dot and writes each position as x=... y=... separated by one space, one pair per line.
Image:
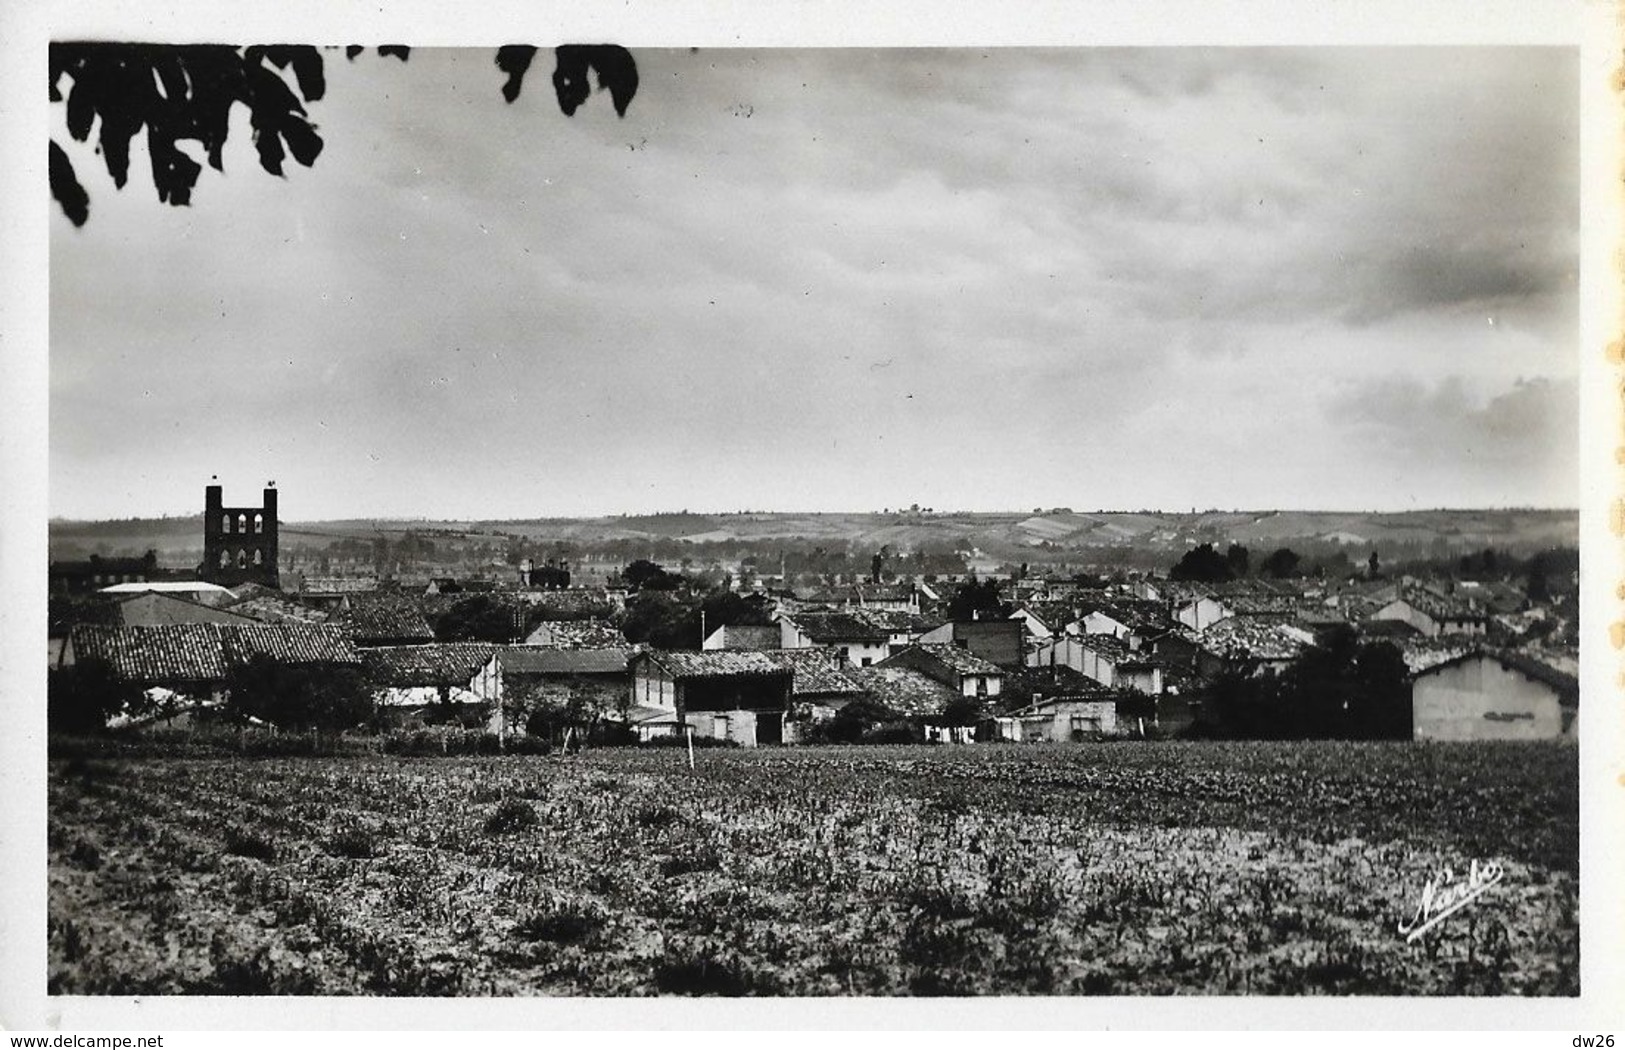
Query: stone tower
x=239 y=543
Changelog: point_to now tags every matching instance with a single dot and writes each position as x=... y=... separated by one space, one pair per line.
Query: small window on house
x=257 y=559
x=241 y=559
x=224 y=559
x=225 y=523
x=867 y=661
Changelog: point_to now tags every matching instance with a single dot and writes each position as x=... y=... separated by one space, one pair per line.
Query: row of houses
x=1125 y=640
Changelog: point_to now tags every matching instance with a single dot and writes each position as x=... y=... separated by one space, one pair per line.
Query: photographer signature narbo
x=1447 y=894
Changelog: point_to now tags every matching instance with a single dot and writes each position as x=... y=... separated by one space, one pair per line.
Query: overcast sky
x=820 y=280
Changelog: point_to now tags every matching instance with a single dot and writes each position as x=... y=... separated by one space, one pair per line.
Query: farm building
x=144 y=609
x=1432 y=614
x=193 y=660
x=859 y=641
x=905 y=691
x=1102 y=658
x=1047 y=619
x=459 y=681
x=958 y=668
x=586 y=679
x=1202 y=611
x=996 y=641
x=687 y=684
x=821 y=684
x=1487 y=695
x=1059 y=719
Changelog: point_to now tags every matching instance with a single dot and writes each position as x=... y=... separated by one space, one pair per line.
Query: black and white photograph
x=600 y=519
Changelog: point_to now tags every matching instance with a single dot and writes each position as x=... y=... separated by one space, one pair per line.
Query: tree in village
x=298 y=698
x=977 y=599
x=1202 y=564
x=186 y=93
x=1281 y=564
x=1338 y=688
x=645 y=575
x=480 y=618
x=81 y=697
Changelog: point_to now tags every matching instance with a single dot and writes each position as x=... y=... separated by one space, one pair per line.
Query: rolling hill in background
x=178 y=540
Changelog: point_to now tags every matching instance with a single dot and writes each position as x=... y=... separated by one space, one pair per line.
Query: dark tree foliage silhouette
x=1203 y=564
x=186 y=93
x=977 y=599
x=1282 y=563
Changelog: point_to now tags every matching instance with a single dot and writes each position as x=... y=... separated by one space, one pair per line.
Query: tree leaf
x=66 y=189
x=514 y=60
x=117 y=131
x=303 y=142
x=173 y=172
x=81 y=108
x=613 y=64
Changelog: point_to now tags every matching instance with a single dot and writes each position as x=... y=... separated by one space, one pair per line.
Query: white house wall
x=1481 y=700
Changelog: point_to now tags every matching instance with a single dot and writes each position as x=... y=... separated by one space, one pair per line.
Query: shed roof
x=199 y=652
x=714 y=663
x=385 y=618
x=836 y=627
x=903 y=689
x=546 y=660
x=818 y=672
x=443 y=663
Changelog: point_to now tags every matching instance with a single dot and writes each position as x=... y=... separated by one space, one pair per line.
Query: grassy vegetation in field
x=1090 y=869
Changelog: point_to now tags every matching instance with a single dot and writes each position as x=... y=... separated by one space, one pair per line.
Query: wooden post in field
x=690 y=730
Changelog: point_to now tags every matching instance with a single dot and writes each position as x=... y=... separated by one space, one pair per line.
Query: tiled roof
x=834 y=627
x=896 y=621
x=274 y=607
x=714 y=663
x=882 y=592
x=1246 y=636
x=958 y=659
x=445 y=663
x=1564 y=684
x=197 y=652
x=538 y=659
x=903 y=689
x=339 y=584
x=379 y=618
x=1438 y=606
x=1421 y=653
x=584 y=634
x=293 y=643
x=1054 y=615
x=817 y=671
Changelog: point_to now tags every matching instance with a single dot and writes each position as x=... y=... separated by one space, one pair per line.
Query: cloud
x=864 y=270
